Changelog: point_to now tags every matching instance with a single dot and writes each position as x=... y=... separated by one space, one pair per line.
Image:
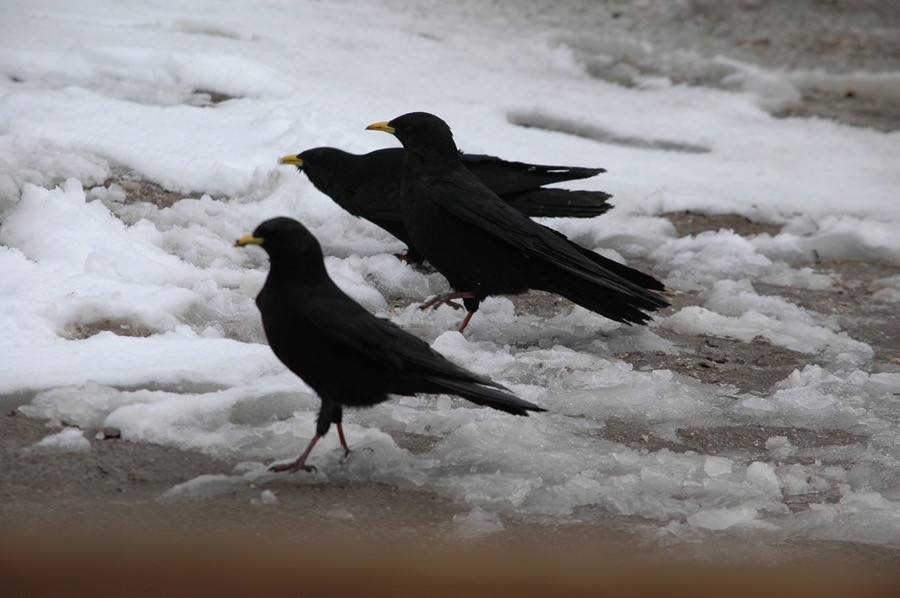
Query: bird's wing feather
x=379 y=340
x=505 y=176
x=350 y=326
x=469 y=200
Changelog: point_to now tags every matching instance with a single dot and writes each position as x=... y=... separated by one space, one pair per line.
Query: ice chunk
x=205 y=486
x=85 y=405
x=716 y=466
x=790 y=333
x=70 y=440
x=266 y=497
x=757 y=404
x=762 y=475
x=780 y=446
x=721 y=519
x=476 y=523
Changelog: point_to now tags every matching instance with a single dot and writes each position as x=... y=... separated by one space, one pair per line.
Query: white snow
x=117 y=312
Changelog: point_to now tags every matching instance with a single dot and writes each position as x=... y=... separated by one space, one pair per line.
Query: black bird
x=368 y=186
x=347 y=355
x=484 y=247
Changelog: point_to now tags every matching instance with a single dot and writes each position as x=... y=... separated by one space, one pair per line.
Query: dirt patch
x=747 y=440
x=82 y=330
x=693 y=223
x=140 y=190
x=752 y=439
x=207 y=97
x=848 y=108
x=752 y=367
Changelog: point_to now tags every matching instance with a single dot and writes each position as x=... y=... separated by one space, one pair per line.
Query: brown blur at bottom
x=165 y=565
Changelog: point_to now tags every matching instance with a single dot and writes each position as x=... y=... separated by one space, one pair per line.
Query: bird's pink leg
x=465 y=321
x=340 y=429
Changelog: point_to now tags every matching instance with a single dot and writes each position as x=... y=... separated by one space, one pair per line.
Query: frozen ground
x=758 y=418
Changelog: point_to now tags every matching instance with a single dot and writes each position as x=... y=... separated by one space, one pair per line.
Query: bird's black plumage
x=484 y=247
x=368 y=185
x=344 y=353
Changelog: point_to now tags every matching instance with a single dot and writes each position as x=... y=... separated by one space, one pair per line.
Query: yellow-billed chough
x=368 y=186
x=347 y=355
x=484 y=247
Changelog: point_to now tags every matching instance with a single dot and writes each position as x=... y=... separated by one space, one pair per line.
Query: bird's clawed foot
x=437 y=302
x=300 y=463
x=293 y=466
x=446 y=299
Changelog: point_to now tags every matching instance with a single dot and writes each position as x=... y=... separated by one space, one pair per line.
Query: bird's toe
x=292 y=467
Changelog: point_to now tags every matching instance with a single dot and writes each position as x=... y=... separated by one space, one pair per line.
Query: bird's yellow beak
x=293 y=160
x=248 y=240
x=381 y=126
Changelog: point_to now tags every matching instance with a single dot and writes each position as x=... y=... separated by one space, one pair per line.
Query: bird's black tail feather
x=614 y=306
x=483 y=395
x=559 y=203
x=599 y=284
x=629 y=274
x=626 y=305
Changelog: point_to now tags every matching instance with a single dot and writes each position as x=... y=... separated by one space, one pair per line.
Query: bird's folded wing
x=348 y=325
x=472 y=202
x=380 y=341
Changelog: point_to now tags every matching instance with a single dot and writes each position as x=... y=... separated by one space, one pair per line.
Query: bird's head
x=318 y=156
x=422 y=134
x=285 y=240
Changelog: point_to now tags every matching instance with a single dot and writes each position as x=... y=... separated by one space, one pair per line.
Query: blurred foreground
x=155 y=565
